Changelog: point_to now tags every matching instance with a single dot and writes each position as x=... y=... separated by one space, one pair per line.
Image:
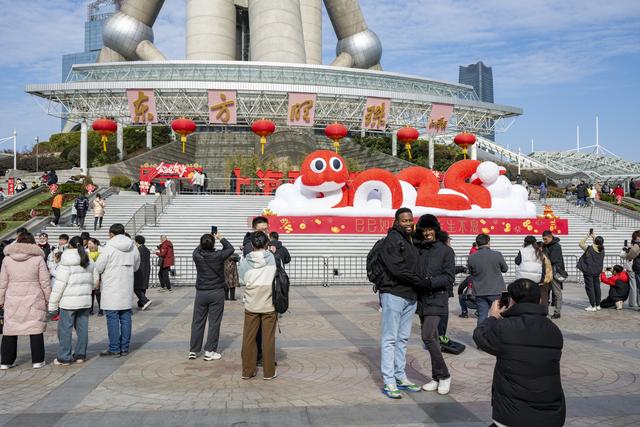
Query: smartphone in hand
x=591 y=232
x=504 y=300
x=214 y=229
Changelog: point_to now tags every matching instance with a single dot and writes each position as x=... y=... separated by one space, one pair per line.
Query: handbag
x=160 y=261
x=559 y=276
x=547 y=274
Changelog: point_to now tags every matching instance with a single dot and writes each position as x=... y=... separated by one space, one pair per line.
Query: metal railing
x=149 y=213
x=596 y=212
x=345 y=270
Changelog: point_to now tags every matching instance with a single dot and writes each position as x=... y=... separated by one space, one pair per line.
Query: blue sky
x=563 y=62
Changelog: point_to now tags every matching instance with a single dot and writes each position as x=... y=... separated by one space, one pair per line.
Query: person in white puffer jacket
x=75 y=279
x=530 y=261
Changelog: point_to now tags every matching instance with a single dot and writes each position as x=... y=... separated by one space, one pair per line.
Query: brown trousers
x=252 y=322
x=544 y=294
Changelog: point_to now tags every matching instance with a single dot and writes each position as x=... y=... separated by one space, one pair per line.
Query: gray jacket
x=485 y=269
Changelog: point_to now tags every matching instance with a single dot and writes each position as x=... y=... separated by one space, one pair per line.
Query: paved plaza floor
x=328 y=371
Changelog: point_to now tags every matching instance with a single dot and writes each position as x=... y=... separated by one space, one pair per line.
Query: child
x=93 y=245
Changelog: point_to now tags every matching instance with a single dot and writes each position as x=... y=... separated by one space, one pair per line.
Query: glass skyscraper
x=98 y=13
x=481 y=78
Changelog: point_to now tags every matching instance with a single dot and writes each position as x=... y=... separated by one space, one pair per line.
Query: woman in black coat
x=141 y=276
x=436 y=264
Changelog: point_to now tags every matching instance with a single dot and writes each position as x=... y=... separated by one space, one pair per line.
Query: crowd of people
x=79 y=209
x=413 y=269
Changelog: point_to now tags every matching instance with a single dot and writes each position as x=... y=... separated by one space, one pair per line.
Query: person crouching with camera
x=618 y=281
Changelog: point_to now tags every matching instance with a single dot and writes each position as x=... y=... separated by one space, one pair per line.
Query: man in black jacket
x=527 y=389
x=437 y=264
x=82 y=207
x=142 y=274
x=398 y=300
x=553 y=250
x=259 y=223
x=276 y=246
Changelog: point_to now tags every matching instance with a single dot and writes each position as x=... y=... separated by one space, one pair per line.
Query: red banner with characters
x=453 y=225
x=165 y=171
x=11 y=186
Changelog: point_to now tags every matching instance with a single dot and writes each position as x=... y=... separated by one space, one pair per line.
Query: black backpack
x=280 y=289
x=376 y=271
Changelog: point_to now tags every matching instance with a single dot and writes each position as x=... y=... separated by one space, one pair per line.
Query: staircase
x=120 y=208
x=192 y=215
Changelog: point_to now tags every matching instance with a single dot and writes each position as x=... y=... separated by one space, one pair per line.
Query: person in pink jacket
x=24 y=294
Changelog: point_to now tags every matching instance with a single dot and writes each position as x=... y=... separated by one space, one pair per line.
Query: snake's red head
x=324 y=171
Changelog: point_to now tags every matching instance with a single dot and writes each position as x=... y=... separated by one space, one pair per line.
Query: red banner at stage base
x=454 y=226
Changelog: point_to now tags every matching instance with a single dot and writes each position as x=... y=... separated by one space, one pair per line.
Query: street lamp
x=37 y=139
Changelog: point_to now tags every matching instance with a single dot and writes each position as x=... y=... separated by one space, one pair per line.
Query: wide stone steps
x=192 y=215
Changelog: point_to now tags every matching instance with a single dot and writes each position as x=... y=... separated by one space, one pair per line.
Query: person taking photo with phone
x=527 y=387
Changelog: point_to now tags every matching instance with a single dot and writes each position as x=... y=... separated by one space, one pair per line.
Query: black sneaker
x=124 y=353
x=464 y=315
x=109 y=353
x=555 y=316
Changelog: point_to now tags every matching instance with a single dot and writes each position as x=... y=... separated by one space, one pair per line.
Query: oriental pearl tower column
x=358 y=47
x=276 y=31
x=127 y=35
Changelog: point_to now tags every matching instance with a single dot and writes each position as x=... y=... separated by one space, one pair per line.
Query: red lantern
x=408 y=136
x=464 y=140
x=184 y=127
x=263 y=128
x=105 y=127
x=336 y=132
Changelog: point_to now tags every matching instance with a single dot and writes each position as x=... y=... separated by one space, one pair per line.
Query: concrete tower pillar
x=311 y=13
x=474 y=151
x=276 y=31
x=149 y=136
x=84 y=147
x=120 y=141
x=211 y=30
x=432 y=153
x=394 y=143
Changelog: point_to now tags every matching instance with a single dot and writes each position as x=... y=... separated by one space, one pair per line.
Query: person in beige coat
x=98 y=206
x=24 y=295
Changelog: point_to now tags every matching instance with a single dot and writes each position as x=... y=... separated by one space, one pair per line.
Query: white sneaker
x=619 y=305
x=431 y=386
x=211 y=355
x=59 y=363
x=144 y=307
x=598 y=308
x=39 y=365
x=590 y=309
x=271 y=378
x=192 y=355
x=444 y=386
x=5 y=367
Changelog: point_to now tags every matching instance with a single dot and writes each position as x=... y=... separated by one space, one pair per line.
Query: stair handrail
x=148 y=213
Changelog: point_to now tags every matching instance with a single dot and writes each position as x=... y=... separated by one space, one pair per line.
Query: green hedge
x=121 y=181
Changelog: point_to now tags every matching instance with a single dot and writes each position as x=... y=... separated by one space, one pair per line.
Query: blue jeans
x=484 y=303
x=466 y=305
x=70 y=319
x=397 y=319
x=119 y=329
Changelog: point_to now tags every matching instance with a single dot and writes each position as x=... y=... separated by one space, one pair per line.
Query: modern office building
x=481 y=78
x=98 y=12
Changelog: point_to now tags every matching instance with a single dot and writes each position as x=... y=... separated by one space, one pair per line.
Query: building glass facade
x=481 y=78
x=98 y=13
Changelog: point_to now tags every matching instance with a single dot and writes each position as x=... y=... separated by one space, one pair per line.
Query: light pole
x=15 y=152
x=37 y=139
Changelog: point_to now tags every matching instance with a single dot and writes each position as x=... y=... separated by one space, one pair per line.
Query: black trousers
x=56 y=215
x=97 y=222
x=163 y=275
x=9 y=349
x=429 y=326
x=592 y=286
x=230 y=293
x=95 y=294
x=81 y=220
x=209 y=305
x=141 y=294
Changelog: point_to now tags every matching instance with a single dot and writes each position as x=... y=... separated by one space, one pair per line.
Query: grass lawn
x=28 y=204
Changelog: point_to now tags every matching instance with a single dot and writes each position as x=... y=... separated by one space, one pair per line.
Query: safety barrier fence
x=148 y=213
x=596 y=212
x=346 y=270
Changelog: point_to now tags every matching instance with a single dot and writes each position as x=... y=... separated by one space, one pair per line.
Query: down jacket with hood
x=619 y=285
x=210 y=266
x=73 y=284
x=24 y=290
x=117 y=262
x=257 y=271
